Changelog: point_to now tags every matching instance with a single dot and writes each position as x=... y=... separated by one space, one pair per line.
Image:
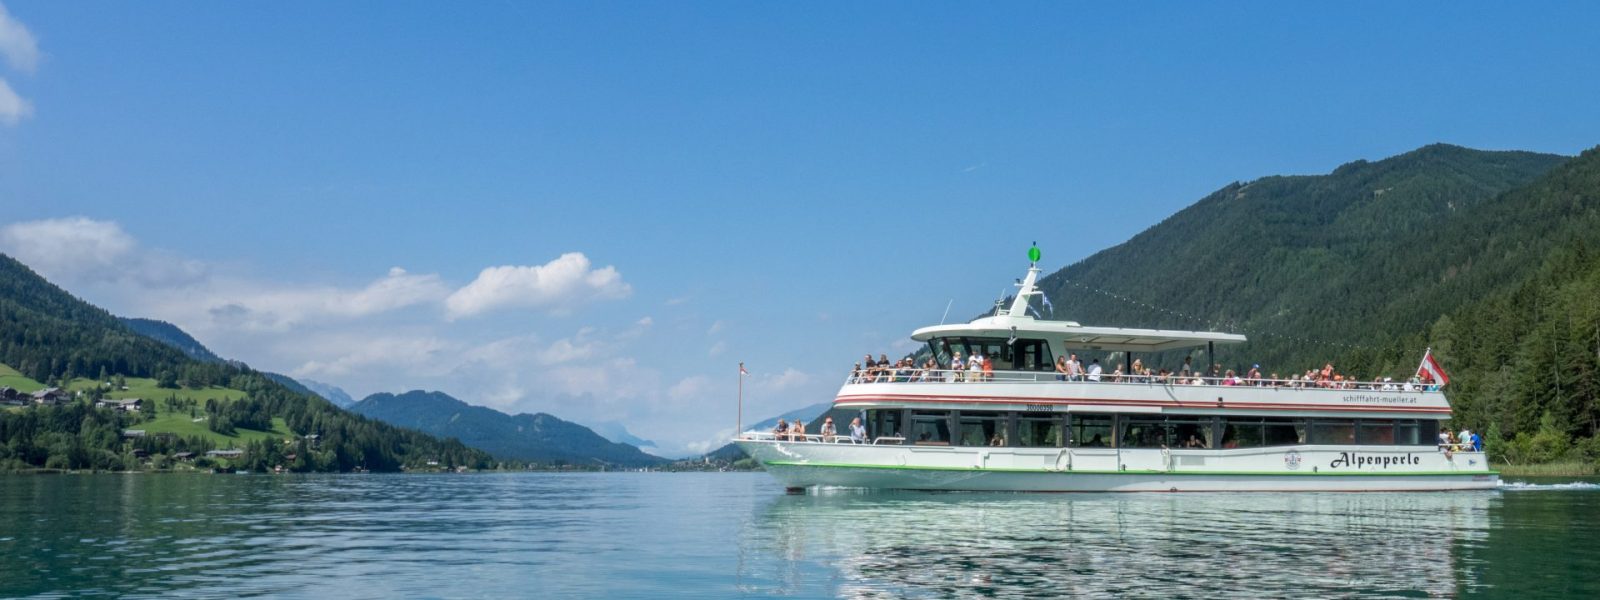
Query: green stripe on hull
x=785 y=463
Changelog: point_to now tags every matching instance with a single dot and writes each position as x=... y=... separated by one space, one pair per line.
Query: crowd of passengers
x=796 y=431
x=979 y=367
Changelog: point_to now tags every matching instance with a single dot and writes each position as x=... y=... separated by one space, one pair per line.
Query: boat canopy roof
x=1075 y=336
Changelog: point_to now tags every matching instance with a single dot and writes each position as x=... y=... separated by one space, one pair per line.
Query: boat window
x=1331 y=432
x=1375 y=432
x=930 y=427
x=1283 y=432
x=981 y=429
x=1042 y=431
x=1159 y=432
x=883 y=423
x=1021 y=355
x=1242 y=433
x=1091 y=431
x=1427 y=432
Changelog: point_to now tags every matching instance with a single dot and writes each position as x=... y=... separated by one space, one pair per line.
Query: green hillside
x=50 y=336
x=10 y=378
x=1486 y=256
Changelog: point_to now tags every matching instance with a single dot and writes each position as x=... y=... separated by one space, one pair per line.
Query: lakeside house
x=184 y=456
x=127 y=404
x=133 y=433
x=225 y=453
x=51 y=397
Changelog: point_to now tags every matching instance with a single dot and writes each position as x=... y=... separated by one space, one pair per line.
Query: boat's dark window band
x=1091 y=430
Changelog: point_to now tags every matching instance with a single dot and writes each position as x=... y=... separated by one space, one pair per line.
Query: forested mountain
x=176 y=337
x=171 y=335
x=538 y=438
x=51 y=336
x=1489 y=257
x=1351 y=257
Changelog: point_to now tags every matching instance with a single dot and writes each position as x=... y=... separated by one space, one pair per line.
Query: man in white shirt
x=1074 y=368
x=975 y=367
x=1094 y=370
x=858 y=434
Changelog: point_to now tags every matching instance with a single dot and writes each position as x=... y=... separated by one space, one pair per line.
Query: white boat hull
x=1294 y=468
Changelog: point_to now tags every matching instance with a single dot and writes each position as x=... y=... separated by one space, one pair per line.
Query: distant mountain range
x=618 y=433
x=539 y=438
x=329 y=392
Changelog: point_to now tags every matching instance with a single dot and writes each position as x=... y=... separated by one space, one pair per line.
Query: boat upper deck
x=1048 y=391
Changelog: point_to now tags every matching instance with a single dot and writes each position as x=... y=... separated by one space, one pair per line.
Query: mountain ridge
x=539 y=437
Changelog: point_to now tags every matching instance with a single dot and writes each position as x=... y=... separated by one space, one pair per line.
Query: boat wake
x=1569 y=486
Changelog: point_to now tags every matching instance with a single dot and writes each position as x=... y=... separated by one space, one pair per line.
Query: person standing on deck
x=1094 y=370
x=858 y=434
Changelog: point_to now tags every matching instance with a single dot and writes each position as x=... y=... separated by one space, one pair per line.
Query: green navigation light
x=1033 y=253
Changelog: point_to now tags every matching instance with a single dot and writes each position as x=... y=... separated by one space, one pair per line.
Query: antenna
x=946 y=310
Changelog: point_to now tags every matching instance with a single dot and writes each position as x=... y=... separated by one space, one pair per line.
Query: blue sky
x=787 y=184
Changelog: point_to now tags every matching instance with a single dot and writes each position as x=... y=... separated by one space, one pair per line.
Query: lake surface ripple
x=652 y=535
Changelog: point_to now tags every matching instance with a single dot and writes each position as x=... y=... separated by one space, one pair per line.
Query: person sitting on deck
x=1194 y=442
x=858 y=434
x=1230 y=379
x=997 y=440
x=1253 y=376
x=781 y=431
x=797 y=431
x=1094 y=370
x=827 y=429
x=1116 y=374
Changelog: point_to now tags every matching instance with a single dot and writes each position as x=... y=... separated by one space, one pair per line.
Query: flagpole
x=739 y=424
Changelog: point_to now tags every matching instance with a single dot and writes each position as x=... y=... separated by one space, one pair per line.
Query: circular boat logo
x=1291 y=459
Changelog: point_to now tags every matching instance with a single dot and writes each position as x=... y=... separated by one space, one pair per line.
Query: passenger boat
x=1027 y=428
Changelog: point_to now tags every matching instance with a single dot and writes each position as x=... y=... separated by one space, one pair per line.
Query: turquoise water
x=644 y=535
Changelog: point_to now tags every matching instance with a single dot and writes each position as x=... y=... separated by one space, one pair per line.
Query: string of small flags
x=1210 y=324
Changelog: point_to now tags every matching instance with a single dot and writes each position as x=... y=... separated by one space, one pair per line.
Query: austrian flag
x=1430 y=371
x=742 y=371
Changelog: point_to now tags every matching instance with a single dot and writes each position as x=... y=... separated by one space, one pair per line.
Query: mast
x=1026 y=289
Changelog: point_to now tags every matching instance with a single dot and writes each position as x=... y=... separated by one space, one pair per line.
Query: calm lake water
x=737 y=534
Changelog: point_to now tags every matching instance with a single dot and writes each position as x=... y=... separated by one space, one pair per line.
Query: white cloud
x=18 y=45
x=256 y=306
x=690 y=388
x=788 y=379
x=558 y=286
x=13 y=108
x=717 y=327
x=85 y=250
x=367 y=352
x=717 y=349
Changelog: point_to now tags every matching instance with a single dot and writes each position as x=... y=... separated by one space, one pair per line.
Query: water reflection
x=941 y=545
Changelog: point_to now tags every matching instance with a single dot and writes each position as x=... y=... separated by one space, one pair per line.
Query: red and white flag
x=1430 y=371
x=742 y=371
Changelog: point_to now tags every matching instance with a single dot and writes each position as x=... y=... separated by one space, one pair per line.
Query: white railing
x=768 y=436
x=969 y=376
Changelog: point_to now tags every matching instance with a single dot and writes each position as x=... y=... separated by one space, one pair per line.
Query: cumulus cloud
x=254 y=306
x=376 y=351
x=80 y=249
x=18 y=45
x=13 y=108
x=558 y=286
x=690 y=388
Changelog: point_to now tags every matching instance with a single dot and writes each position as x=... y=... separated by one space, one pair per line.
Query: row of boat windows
x=1089 y=430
